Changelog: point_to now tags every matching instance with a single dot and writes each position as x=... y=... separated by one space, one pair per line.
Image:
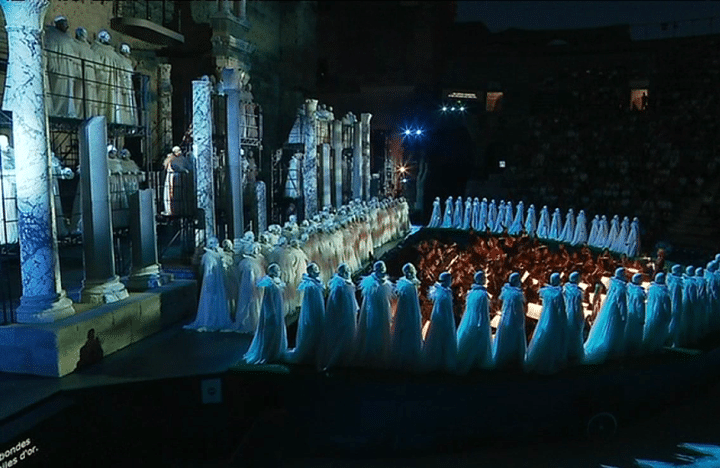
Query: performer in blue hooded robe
x=530 y=221
x=613 y=234
x=510 y=343
x=474 y=337
x=312 y=318
x=448 y=216
x=603 y=233
x=713 y=288
x=580 y=235
x=483 y=219
x=492 y=215
x=543 y=226
x=458 y=213
x=620 y=244
x=568 y=230
x=436 y=217
x=606 y=340
x=340 y=328
x=633 y=240
x=517 y=225
x=270 y=341
x=689 y=319
x=635 y=316
x=656 y=332
x=213 y=313
x=407 y=338
x=508 y=215
x=374 y=321
x=249 y=299
x=475 y=219
x=440 y=351
x=547 y=351
x=595 y=224
x=556 y=226
x=573 y=296
x=675 y=283
x=467 y=215
x=498 y=227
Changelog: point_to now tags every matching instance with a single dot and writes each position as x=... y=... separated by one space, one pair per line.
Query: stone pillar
x=43 y=299
x=327 y=190
x=309 y=163
x=357 y=184
x=165 y=107
x=101 y=284
x=365 y=126
x=261 y=193
x=232 y=81
x=337 y=172
x=203 y=155
x=146 y=271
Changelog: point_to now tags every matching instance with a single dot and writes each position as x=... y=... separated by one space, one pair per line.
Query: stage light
x=418 y=132
x=462 y=108
x=407 y=131
x=402 y=169
x=444 y=108
x=452 y=108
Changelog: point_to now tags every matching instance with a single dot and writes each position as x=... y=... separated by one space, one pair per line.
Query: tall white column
x=232 y=81
x=164 y=106
x=357 y=185
x=365 y=126
x=309 y=163
x=325 y=149
x=337 y=171
x=261 y=194
x=43 y=299
x=203 y=154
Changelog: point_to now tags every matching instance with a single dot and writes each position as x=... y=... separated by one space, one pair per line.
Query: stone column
x=165 y=107
x=326 y=175
x=365 y=126
x=261 y=193
x=232 y=81
x=146 y=272
x=357 y=183
x=101 y=284
x=309 y=163
x=337 y=172
x=43 y=299
x=203 y=154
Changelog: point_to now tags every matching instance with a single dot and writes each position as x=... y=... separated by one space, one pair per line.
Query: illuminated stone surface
x=203 y=153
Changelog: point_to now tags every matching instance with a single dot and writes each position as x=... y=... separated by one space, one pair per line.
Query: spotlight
x=462 y=108
x=444 y=108
x=407 y=131
x=418 y=132
x=452 y=108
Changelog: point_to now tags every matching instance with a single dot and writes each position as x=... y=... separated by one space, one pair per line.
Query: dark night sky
x=499 y=16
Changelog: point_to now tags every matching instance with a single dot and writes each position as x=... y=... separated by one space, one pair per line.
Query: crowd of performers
x=230 y=297
x=385 y=332
x=622 y=237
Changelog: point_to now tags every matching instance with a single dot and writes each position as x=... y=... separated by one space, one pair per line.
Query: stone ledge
x=53 y=349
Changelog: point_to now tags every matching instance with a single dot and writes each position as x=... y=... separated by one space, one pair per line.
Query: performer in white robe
x=510 y=342
x=474 y=337
x=108 y=94
x=531 y=222
x=483 y=220
x=436 y=217
x=658 y=314
x=340 y=327
x=620 y=245
x=635 y=316
x=543 y=225
x=270 y=341
x=556 y=226
x=633 y=240
x=492 y=215
x=517 y=224
x=475 y=218
x=126 y=108
x=595 y=224
x=85 y=91
x=440 y=350
x=499 y=225
x=547 y=351
x=575 y=319
x=448 y=215
x=602 y=234
x=312 y=317
x=374 y=320
x=613 y=234
x=63 y=69
x=690 y=308
x=249 y=270
x=580 y=236
x=605 y=340
x=675 y=288
x=406 y=340
x=212 y=313
x=458 y=213
x=701 y=317
x=467 y=215
x=568 y=230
